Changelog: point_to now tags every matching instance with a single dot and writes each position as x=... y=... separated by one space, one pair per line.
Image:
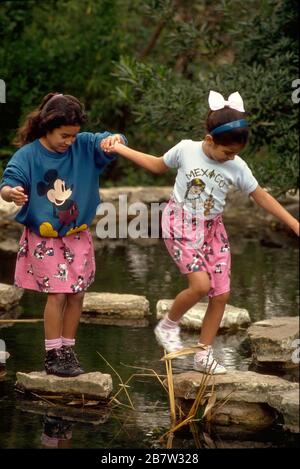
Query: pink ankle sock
x=53 y=343
x=167 y=323
x=68 y=342
x=203 y=354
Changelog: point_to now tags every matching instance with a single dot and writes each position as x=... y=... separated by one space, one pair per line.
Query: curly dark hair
x=54 y=111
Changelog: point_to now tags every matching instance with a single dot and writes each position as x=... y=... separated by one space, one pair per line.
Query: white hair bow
x=216 y=101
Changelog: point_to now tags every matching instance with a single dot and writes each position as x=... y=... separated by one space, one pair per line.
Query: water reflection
x=57 y=433
x=265 y=281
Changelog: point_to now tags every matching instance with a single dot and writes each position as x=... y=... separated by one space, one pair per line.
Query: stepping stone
x=9 y=296
x=275 y=342
x=115 y=309
x=90 y=385
x=233 y=319
x=254 y=398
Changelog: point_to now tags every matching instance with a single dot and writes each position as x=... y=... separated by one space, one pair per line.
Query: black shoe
x=56 y=432
x=56 y=364
x=71 y=358
x=57 y=428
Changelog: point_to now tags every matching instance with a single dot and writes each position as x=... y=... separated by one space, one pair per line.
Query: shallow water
x=264 y=281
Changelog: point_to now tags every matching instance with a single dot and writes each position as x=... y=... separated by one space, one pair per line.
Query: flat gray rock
x=9 y=296
x=91 y=385
x=287 y=404
x=275 y=341
x=115 y=309
x=251 y=398
x=233 y=319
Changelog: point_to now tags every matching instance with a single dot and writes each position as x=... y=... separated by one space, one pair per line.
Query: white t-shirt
x=202 y=183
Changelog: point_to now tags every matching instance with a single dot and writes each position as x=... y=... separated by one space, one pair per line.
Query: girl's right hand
x=18 y=196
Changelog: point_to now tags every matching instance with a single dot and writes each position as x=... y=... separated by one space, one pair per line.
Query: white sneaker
x=209 y=365
x=169 y=339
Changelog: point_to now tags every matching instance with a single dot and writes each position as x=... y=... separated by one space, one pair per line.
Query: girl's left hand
x=107 y=144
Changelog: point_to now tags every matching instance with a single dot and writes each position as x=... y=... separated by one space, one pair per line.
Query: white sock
x=168 y=324
x=203 y=354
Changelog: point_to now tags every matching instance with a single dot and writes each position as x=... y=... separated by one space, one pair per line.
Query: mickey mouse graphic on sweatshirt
x=59 y=194
x=62 y=188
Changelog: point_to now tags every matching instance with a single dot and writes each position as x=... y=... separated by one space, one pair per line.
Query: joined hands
x=109 y=144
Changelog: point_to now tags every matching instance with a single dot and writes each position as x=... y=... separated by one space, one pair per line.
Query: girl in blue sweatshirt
x=54 y=178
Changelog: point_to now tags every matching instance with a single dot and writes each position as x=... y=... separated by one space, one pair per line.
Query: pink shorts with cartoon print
x=198 y=246
x=55 y=265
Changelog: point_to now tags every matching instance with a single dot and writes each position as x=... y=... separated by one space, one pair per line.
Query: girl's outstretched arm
x=266 y=201
x=152 y=163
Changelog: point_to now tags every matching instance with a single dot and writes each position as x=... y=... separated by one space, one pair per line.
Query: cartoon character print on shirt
x=64 y=208
x=194 y=189
x=209 y=204
x=196 y=186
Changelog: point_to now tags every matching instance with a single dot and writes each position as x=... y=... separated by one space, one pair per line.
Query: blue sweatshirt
x=62 y=188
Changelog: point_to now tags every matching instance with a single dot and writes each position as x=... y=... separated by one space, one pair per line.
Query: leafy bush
x=145 y=68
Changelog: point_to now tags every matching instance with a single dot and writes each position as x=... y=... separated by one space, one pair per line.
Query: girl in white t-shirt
x=192 y=223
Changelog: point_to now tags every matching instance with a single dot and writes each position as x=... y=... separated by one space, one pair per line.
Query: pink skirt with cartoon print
x=55 y=265
x=198 y=245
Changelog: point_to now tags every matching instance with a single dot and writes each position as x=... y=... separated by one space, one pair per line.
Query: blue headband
x=229 y=126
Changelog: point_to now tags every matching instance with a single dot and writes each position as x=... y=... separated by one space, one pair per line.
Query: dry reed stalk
x=43 y=399
x=170 y=441
x=210 y=404
x=176 y=427
x=19 y=321
x=147 y=375
x=113 y=399
x=202 y=387
x=171 y=391
x=121 y=381
x=182 y=352
x=147 y=369
x=221 y=404
x=195 y=432
x=134 y=375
